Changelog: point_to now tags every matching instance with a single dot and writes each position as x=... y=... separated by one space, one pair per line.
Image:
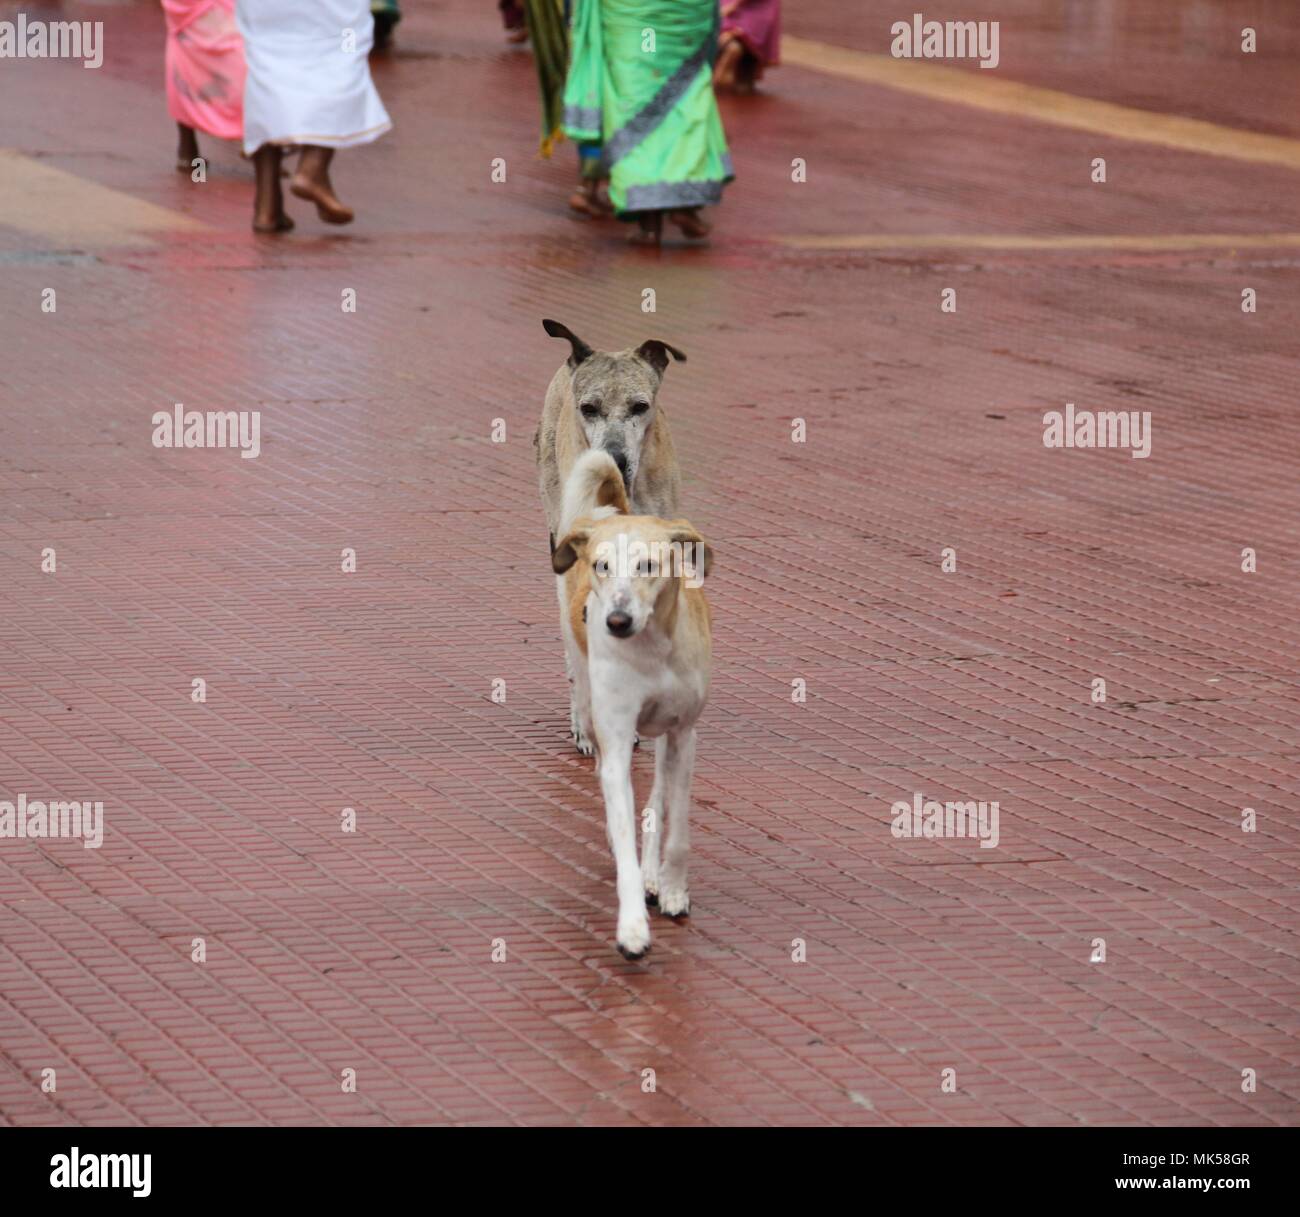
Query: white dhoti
x=308 y=76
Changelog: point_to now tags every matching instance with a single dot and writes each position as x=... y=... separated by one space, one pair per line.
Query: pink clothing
x=205 y=66
x=757 y=23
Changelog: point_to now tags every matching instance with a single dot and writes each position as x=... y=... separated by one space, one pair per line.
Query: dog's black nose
x=620 y=459
x=619 y=624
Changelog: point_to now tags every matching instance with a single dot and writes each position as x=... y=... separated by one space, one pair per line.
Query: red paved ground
x=476 y=820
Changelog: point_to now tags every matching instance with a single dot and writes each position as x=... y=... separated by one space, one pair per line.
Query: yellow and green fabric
x=640 y=82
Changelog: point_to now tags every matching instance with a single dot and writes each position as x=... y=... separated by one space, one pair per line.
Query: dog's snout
x=620 y=459
x=619 y=623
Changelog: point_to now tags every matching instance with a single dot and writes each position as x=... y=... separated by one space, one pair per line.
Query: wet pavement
x=478 y=829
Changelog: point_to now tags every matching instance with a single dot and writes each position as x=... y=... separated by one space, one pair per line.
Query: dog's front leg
x=620 y=820
x=584 y=736
x=575 y=668
x=654 y=825
x=674 y=898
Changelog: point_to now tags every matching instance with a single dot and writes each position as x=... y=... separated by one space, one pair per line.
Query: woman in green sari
x=640 y=84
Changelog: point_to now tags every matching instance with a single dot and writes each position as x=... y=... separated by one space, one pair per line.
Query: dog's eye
x=639 y=407
x=590 y=409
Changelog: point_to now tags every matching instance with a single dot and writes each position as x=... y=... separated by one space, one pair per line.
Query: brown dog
x=609 y=402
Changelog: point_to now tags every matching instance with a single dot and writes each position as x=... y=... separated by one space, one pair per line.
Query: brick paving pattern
x=477 y=821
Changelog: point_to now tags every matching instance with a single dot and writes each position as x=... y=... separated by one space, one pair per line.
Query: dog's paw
x=581 y=731
x=633 y=938
x=581 y=740
x=651 y=885
x=674 y=899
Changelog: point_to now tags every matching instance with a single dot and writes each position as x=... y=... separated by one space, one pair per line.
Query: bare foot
x=728 y=65
x=691 y=223
x=586 y=199
x=280 y=223
x=322 y=194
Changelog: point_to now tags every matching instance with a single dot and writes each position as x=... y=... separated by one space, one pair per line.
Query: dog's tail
x=594 y=488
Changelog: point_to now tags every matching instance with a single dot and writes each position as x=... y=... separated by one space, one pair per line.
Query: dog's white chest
x=672 y=704
x=655 y=720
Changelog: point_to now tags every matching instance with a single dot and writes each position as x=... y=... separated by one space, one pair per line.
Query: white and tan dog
x=638 y=639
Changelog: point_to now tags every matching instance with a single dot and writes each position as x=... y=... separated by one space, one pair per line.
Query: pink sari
x=757 y=23
x=205 y=66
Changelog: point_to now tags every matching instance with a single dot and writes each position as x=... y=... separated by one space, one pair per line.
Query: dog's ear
x=580 y=350
x=569 y=550
x=681 y=533
x=656 y=353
